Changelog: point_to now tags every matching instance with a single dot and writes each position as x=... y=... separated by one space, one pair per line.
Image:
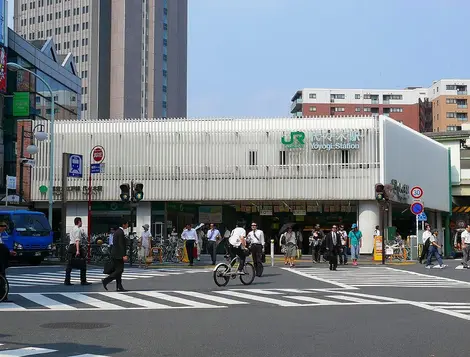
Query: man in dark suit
x=118 y=256
x=333 y=247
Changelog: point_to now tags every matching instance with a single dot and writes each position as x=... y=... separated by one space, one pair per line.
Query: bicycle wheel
x=249 y=275
x=4 y=288
x=219 y=272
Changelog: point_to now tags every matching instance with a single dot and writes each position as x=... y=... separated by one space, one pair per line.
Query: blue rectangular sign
x=75 y=167
x=95 y=168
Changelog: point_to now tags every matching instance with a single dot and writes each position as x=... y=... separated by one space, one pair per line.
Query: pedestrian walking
x=465 y=243
x=333 y=247
x=343 y=257
x=144 y=245
x=118 y=256
x=289 y=240
x=189 y=235
x=426 y=242
x=76 y=253
x=213 y=238
x=434 y=251
x=355 y=243
x=256 y=240
x=316 y=240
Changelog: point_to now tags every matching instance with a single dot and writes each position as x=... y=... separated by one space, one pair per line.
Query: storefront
x=273 y=171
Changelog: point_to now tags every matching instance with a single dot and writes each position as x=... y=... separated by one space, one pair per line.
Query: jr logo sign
x=296 y=140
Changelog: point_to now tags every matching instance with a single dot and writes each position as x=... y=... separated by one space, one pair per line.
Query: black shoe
x=105 y=284
x=85 y=283
x=121 y=289
x=331 y=267
x=67 y=283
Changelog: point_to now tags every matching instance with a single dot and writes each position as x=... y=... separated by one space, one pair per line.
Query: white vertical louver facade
x=218 y=160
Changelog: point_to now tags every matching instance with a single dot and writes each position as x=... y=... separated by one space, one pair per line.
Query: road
x=366 y=311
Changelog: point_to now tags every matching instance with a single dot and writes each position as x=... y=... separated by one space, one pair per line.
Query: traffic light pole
x=132 y=209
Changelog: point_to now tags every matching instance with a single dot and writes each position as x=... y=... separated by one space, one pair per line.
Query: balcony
x=296 y=105
x=462 y=106
x=461 y=92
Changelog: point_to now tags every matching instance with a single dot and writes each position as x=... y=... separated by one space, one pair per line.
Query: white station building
x=273 y=171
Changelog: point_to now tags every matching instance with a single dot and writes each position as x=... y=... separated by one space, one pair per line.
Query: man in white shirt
x=189 y=235
x=256 y=240
x=213 y=236
x=426 y=242
x=466 y=246
x=237 y=245
x=434 y=250
x=145 y=244
x=76 y=253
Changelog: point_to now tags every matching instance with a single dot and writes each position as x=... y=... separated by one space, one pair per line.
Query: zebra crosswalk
x=14 y=351
x=93 y=276
x=182 y=299
x=362 y=277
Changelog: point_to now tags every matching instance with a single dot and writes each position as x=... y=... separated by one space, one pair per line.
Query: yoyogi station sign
x=326 y=140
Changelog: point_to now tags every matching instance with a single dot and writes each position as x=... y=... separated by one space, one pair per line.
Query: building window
x=450 y=115
x=396 y=110
x=344 y=156
x=450 y=101
x=366 y=96
x=165 y=42
x=165 y=27
x=357 y=96
x=312 y=109
x=253 y=158
x=338 y=96
x=339 y=109
x=164 y=104
x=451 y=87
x=367 y=109
x=282 y=158
x=454 y=128
x=396 y=97
x=358 y=109
x=165 y=73
x=164 y=88
x=312 y=96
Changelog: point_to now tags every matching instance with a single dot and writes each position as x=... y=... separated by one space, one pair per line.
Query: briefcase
x=78 y=263
x=108 y=267
x=263 y=258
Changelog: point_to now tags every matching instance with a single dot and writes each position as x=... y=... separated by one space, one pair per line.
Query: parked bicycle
x=226 y=271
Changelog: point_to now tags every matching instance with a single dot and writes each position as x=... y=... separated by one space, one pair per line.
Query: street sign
x=11 y=182
x=422 y=217
x=97 y=168
x=97 y=154
x=75 y=167
x=417 y=208
x=416 y=192
x=29 y=162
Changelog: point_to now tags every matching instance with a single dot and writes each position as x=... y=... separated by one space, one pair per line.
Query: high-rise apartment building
x=441 y=107
x=131 y=55
x=449 y=99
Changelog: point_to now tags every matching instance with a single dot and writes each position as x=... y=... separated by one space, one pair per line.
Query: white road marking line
x=211 y=298
x=135 y=301
x=354 y=299
x=177 y=300
x=259 y=291
x=432 y=276
x=445 y=303
x=298 y=272
x=9 y=306
x=47 y=302
x=258 y=298
x=88 y=300
x=88 y=355
x=27 y=351
x=313 y=300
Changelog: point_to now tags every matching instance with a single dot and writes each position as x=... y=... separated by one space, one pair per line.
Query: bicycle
x=226 y=271
x=4 y=288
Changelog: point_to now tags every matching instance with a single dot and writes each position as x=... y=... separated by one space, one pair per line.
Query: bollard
x=272 y=252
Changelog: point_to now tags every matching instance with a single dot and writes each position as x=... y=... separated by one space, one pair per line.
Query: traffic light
x=125 y=192
x=138 y=192
x=380 y=192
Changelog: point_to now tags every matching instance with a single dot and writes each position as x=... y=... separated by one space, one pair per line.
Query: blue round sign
x=417 y=208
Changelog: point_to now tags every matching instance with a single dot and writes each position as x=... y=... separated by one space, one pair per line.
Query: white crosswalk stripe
x=38 y=351
x=354 y=278
x=93 y=276
x=177 y=299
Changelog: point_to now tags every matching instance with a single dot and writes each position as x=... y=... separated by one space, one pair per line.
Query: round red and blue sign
x=417 y=208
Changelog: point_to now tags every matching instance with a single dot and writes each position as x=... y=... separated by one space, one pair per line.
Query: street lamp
x=40 y=135
x=16 y=67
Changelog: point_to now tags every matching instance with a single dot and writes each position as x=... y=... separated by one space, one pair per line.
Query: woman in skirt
x=289 y=239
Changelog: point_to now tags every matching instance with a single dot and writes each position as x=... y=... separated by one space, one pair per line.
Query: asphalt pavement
x=364 y=311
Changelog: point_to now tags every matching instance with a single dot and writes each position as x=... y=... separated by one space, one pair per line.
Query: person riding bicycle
x=238 y=245
x=5 y=253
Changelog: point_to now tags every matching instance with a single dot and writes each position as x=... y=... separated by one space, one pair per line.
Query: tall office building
x=131 y=55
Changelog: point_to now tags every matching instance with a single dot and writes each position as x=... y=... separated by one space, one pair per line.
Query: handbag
x=263 y=258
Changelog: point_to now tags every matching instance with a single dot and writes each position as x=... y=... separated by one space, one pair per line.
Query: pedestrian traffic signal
x=125 y=192
x=380 y=192
x=138 y=192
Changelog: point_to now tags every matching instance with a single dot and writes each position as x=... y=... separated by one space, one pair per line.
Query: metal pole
x=89 y=210
x=417 y=228
x=21 y=163
x=272 y=252
x=6 y=190
x=51 y=156
x=63 y=223
x=131 y=236
x=382 y=218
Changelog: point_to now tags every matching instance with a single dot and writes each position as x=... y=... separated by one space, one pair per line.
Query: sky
x=247 y=58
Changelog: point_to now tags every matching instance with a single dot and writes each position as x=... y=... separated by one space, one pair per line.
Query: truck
x=29 y=234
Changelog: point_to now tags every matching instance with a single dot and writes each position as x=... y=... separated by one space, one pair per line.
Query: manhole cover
x=76 y=325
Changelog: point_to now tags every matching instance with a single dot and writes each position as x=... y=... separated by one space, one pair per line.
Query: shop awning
x=461 y=209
